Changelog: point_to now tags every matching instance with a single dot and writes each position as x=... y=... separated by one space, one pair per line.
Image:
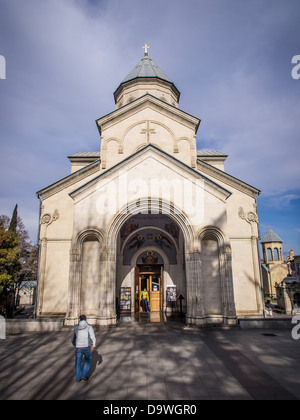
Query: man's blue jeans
x=145 y=305
x=79 y=354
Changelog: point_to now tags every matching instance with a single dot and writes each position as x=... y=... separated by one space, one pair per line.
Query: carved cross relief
x=148 y=131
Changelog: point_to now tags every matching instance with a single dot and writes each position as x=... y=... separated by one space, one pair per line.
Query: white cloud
x=231 y=60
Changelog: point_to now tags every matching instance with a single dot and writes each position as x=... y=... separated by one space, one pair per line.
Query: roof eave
x=255 y=191
x=225 y=191
x=139 y=78
x=141 y=99
x=69 y=179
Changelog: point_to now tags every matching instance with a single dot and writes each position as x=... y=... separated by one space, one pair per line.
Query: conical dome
x=270 y=236
x=146 y=68
x=146 y=77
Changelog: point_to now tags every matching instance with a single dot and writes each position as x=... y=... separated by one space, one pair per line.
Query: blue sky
x=230 y=59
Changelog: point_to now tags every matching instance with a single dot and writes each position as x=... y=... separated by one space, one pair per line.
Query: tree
x=18 y=259
x=14 y=220
x=28 y=271
x=9 y=257
x=9 y=265
x=4 y=221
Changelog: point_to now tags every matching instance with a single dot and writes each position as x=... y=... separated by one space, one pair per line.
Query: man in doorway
x=83 y=338
x=145 y=299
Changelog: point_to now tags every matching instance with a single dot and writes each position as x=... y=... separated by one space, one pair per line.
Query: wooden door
x=136 y=289
x=155 y=292
x=149 y=278
x=161 y=287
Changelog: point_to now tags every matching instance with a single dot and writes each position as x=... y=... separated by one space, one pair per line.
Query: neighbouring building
x=293 y=262
x=274 y=269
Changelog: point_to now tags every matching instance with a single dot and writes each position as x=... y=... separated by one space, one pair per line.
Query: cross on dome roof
x=146 y=49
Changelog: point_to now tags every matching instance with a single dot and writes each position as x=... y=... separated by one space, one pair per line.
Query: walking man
x=84 y=340
x=145 y=300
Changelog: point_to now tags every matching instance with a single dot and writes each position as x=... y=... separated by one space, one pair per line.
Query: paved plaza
x=144 y=361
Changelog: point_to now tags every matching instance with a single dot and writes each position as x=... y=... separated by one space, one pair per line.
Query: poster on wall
x=171 y=293
x=125 y=299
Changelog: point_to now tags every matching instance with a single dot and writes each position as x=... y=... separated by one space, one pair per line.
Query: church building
x=149 y=211
x=274 y=269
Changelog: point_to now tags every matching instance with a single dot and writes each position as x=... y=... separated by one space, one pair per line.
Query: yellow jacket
x=144 y=295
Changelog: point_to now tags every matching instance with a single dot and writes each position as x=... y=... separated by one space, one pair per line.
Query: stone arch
x=144 y=205
x=145 y=227
x=130 y=128
x=213 y=230
x=269 y=254
x=147 y=206
x=90 y=276
x=85 y=275
x=85 y=234
x=211 y=275
x=126 y=142
x=116 y=146
x=159 y=251
x=108 y=157
x=184 y=139
x=215 y=283
x=110 y=139
x=167 y=129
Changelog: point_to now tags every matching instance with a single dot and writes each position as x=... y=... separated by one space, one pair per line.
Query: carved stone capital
x=74 y=255
x=107 y=254
x=250 y=217
x=48 y=218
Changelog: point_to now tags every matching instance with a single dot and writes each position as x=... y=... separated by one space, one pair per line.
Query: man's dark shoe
x=85 y=378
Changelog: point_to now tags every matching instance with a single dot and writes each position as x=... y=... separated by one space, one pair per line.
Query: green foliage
x=18 y=261
x=14 y=220
x=9 y=258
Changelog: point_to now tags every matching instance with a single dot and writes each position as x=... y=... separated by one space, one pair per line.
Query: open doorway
x=151 y=279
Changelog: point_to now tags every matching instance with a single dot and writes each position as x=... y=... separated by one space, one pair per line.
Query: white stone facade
x=149 y=190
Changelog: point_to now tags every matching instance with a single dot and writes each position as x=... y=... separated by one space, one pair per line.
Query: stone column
x=252 y=218
x=257 y=274
x=288 y=298
x=107 y=296
x=195 y=303
x=41 y=277
x=229 y=311
x=45 y=221
x=74 y=288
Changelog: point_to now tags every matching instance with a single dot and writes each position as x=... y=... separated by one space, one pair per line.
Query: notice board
x=171 y=293
x=125 y=299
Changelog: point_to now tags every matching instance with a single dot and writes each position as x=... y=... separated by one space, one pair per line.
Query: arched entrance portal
x=157 y=250
x=151 y=257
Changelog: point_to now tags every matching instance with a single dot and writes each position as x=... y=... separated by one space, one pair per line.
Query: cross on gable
x=148 y=131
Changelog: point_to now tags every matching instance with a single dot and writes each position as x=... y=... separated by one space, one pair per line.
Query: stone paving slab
x=154 y=362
